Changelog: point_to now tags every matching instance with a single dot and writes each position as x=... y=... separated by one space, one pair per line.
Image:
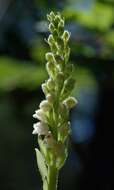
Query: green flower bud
x=51 y=39
x=70 y=102
x=52 y=15
x=51 y=27
x=45 y=106
x=68 y=70
x=45 y=88
x=50 y=98
x=61 y=23
x=57 y=20
x=50 y=57
x=66 y=36
x=50 y=69
x=50 y=84
x=68 y=85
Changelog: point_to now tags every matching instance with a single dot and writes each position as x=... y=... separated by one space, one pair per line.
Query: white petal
x=35 y=116
x=39 y=114
x=40 y=128
x=35 y=131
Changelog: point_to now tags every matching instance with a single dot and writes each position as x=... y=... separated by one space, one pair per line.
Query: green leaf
x=41 y=164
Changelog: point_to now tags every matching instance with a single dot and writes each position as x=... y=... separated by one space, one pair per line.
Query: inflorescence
x=53 y=126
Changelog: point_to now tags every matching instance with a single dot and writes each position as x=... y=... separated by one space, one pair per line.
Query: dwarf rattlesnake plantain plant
x=53 y=127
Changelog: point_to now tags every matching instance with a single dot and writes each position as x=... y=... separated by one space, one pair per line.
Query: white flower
x=40 y=128
x=70 y=102
x=39 y=114
x=45 y=106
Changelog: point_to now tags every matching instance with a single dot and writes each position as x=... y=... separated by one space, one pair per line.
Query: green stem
x=52 y=178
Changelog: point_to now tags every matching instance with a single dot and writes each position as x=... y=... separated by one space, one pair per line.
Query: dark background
x=23 y=28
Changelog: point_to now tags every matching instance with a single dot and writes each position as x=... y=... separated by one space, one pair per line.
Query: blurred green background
x=23 y=27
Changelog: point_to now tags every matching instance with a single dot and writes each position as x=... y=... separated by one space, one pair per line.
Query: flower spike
x=53 y=128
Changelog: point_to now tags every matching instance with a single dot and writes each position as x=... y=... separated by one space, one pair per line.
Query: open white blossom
x=40 y=128
x=39 y=114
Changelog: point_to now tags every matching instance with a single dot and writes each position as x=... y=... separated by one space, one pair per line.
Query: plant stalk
x=52 y=178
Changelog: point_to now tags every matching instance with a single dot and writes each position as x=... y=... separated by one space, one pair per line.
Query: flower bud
x=45 y=89
x=50 y=69
x=68 y=85
x=50 y=98
x=51 y=84
x=52 y=15
x=66 y=36
x=45 y=106
x=70 y=102
x=61 y=23
x=50 y=57
x=40 y=128
x=57 y=20
x=51 y=27
x=50 y=39
x=68 y=70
